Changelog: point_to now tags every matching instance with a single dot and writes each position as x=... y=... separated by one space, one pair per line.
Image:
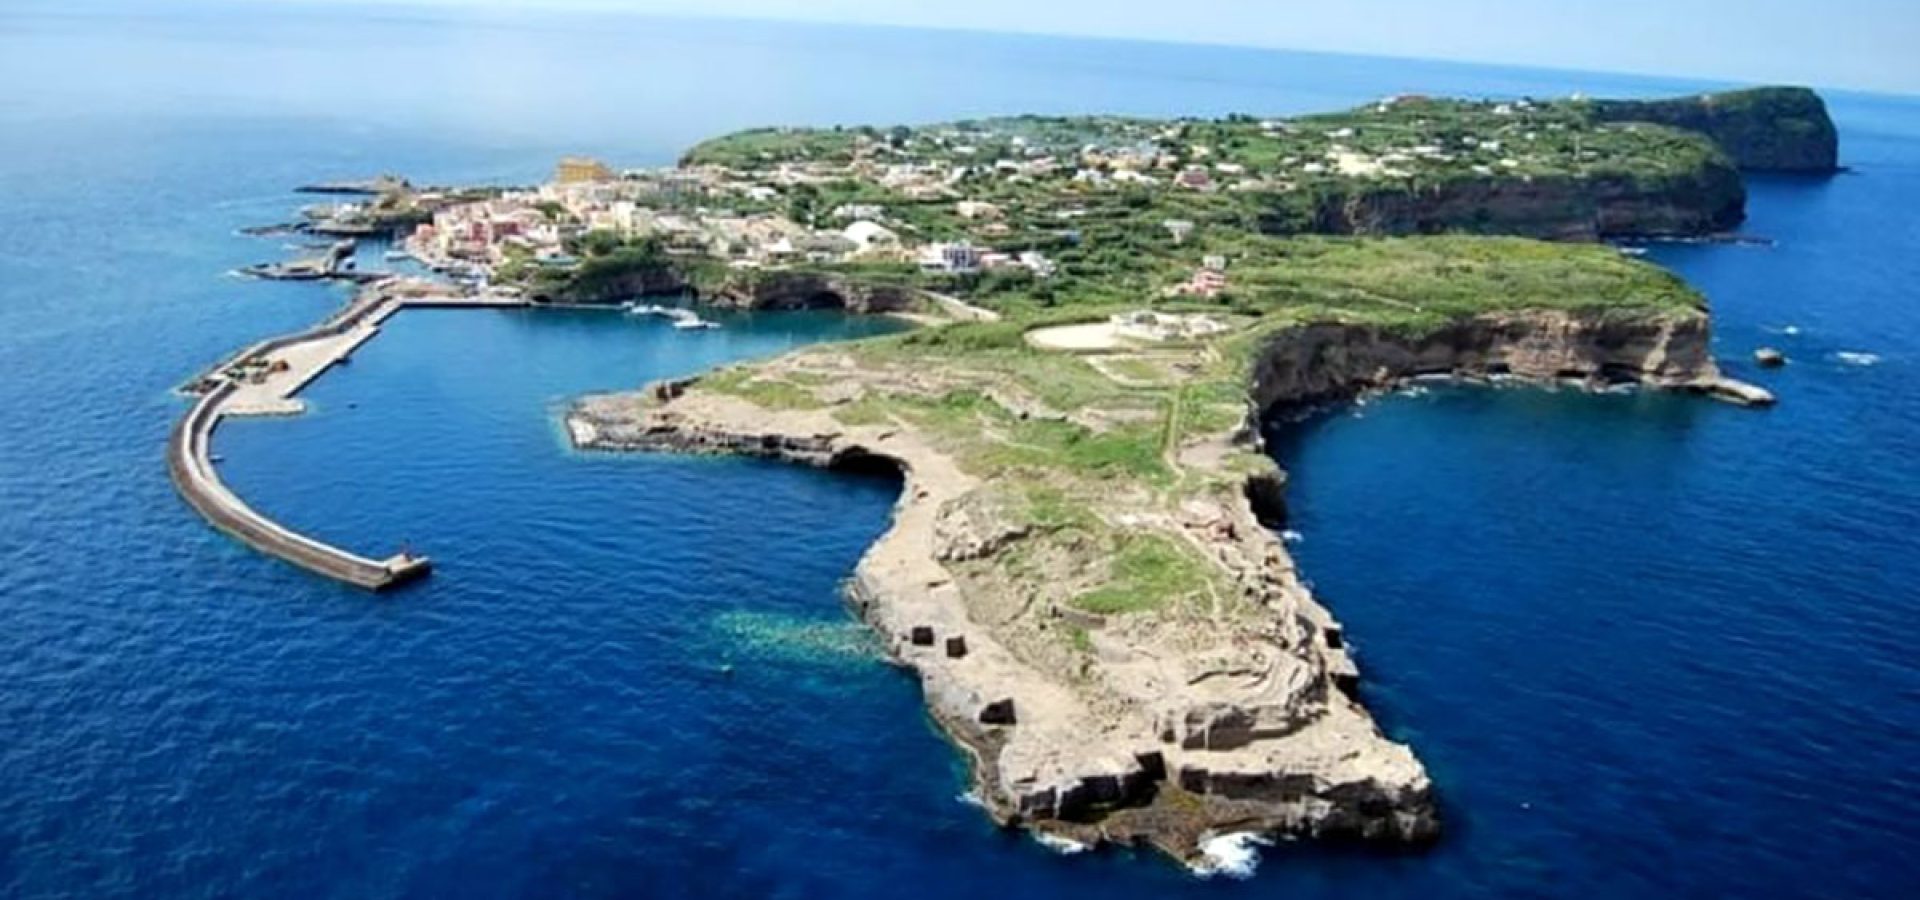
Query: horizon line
x=591 y=8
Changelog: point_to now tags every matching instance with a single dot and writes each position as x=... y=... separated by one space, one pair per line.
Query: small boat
x=689 y=324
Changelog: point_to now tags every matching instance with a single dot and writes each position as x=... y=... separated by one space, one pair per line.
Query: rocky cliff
x=1328 y=362
x=1771 y=129
x=1705 y=200
x=793 y=289
x=607 y=284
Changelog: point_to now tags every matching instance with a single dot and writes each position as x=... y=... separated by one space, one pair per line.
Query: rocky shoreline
x=1168 y=734
x=1316 y=364
x=1044 y=758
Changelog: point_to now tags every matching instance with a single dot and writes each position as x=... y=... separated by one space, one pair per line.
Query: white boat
x=691 y=323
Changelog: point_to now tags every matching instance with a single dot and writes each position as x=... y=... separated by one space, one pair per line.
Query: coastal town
x=1047 y=211
x=708 y=211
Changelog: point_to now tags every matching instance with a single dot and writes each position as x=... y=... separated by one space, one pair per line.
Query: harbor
x=264 y=380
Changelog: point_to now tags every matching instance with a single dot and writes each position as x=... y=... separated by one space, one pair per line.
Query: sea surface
x=1648 y=645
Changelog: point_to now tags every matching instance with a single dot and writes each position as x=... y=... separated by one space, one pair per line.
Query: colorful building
x=582 y=170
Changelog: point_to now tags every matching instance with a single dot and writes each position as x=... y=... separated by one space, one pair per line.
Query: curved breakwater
x=263 y=380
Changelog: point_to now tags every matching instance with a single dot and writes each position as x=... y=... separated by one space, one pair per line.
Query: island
x=1082 y=569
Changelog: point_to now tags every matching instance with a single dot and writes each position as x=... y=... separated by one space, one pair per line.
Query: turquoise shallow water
x=1647 y=644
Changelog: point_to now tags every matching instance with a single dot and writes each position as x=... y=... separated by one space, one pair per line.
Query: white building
x=857 y=211
x=956 y=257
x=869 y=235
x=1038 y=263
x=976 y=209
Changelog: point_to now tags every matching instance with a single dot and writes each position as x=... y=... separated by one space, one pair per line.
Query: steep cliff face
x=1772 y=129
x=808 y=290
x=1326 y=362
x=1709 y=199
x=610 y=286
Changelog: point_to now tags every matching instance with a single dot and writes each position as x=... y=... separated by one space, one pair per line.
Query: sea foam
x=1234 y=855
x=1061 y=845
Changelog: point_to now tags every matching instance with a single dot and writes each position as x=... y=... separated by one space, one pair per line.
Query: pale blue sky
x=1866 y=44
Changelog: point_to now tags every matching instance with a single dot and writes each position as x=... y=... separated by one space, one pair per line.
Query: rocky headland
x=1768 y=129
x=1080 y=569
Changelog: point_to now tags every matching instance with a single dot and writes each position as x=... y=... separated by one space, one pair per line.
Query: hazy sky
x=1868 y=44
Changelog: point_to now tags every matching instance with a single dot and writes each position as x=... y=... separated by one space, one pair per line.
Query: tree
x=803 y=201
x=599 y=242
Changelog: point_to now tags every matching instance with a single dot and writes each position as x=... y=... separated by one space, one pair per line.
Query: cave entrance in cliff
x=824 y=299
x=1617 y=373
x=862 y=463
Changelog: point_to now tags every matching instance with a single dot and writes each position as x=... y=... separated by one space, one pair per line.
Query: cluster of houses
x=1206 y=283
x=683 y=209
x=750 y=218
x=488 y=232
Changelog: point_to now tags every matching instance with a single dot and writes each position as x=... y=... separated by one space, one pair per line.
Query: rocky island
x=1082 y=569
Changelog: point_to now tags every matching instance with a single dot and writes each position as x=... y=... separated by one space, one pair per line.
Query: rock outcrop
x=1770 y=129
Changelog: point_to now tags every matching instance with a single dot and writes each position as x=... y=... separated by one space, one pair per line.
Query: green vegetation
x=766 y=392
x=1439 y=137
x=1146 y=572
x=1400 y=216
x=1125 y=209
x=1074 y=437
x=605 y=268
x=1768 y=128
x=764 y=145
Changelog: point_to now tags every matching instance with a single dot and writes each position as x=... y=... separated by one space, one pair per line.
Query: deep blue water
x=1646 y=644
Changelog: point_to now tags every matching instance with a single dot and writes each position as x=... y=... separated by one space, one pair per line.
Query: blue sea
x=1648 y=645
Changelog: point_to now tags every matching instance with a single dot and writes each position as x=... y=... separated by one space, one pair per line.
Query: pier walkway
x=263 y=380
